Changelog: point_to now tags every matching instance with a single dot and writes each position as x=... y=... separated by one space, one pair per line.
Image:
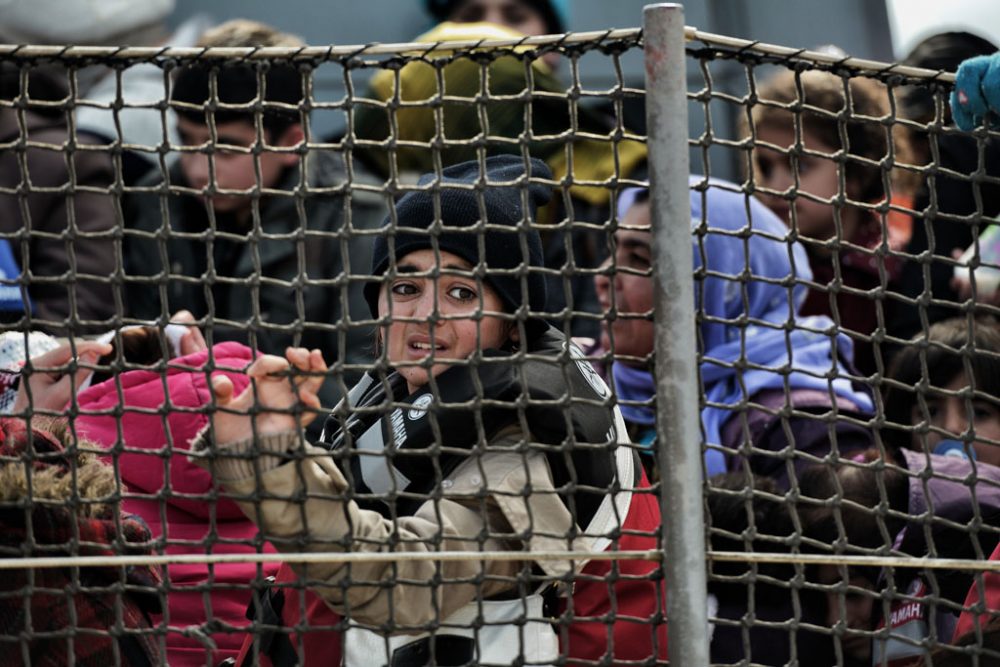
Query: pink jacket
x=202 y=601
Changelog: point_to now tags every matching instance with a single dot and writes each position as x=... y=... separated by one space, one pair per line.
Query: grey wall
x=859 y=27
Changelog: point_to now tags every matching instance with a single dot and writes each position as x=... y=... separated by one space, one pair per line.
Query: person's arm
x=300 y=504
x=300 y=500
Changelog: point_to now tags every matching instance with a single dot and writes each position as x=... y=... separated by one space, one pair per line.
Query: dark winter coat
x=57 y=205
x=287 y=283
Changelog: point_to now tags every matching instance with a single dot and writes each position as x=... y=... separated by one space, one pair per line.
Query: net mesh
x=464 y=472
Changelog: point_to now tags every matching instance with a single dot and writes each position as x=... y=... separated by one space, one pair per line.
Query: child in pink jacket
x=205 y=605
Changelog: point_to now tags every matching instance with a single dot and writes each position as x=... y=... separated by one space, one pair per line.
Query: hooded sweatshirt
x=204 y=603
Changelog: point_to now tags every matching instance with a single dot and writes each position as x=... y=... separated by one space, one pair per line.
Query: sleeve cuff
x=245 y=459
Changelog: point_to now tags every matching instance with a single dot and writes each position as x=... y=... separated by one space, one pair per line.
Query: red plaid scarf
x=89 y=616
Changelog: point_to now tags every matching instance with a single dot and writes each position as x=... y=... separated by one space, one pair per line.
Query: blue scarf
x=637 y=388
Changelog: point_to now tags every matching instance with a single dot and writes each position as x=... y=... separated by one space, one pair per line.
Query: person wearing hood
x=480 y=428
x=204 y=608
x=761 y=359
x=143 y=408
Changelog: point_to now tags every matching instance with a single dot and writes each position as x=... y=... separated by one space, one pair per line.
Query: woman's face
x=951 y=414
x=415 y=336
x=629 y=290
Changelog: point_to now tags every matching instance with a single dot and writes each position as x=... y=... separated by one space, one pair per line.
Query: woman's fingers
x=62 y=355
x=312 y=383
x=222 y=389
x=192 y=341
x=88 y=358
x=312 y=366
x=267 y=364
x=316 y=361
x=298 y=357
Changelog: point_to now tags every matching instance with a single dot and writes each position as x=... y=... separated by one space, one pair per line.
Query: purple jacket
x=946 y=494
x=809 y=429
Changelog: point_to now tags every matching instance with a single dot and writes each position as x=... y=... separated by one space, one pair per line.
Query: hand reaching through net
x=283 y=396
x=52 y=378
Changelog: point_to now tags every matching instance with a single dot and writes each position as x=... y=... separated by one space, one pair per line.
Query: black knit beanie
x=505 y=261
x=239 y=83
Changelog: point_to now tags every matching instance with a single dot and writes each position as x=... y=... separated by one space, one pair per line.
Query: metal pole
x=678 y=424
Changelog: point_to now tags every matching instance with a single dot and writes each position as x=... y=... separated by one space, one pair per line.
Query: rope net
x=386 y=395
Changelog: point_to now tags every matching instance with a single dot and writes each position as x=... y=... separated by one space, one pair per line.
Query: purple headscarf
x=746 y=321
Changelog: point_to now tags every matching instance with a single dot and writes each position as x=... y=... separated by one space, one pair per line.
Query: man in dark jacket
x=56 y=217
x=257 y=238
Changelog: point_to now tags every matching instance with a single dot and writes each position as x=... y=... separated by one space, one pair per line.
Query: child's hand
x=278 y=386
x=192 y=341
x=977 y=91
x=50 y=383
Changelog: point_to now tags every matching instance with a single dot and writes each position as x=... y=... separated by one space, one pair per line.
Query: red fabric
x=991 y=584
x=639 y=612
x=195 y=524
x=54 y=625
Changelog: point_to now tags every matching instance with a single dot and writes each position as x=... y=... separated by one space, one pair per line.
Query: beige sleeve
x=502 y=500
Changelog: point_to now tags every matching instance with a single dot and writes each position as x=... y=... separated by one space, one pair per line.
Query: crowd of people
x=424 y=342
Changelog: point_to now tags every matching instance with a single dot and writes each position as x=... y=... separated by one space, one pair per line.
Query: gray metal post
x=678 y=429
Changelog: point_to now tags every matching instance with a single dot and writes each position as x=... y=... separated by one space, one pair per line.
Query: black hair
x=945 y=349
x=140 y=346
x=272 y=89
x=858 y=484
x=747 y=514
x=849 y=495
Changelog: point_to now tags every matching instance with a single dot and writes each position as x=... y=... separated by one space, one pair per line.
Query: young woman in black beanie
x=479 y=428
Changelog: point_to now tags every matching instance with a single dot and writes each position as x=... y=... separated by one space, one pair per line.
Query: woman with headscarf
x=774 y=381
